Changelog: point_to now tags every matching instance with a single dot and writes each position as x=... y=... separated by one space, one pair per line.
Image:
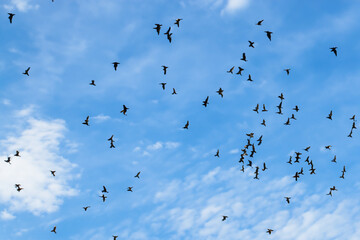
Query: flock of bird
x=249 y=145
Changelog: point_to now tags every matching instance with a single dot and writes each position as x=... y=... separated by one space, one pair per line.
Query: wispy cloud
x=21 y=5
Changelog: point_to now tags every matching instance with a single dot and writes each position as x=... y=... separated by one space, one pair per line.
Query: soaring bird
x=333 y=49
x=287 y=122
x=281 y=96
x=186 y=125
x=86 y=208
x=330 y=115
x=256 y=109
x=296 y=108
x=334 y=159
x=103 y=197
x=287 y=199
x=111 y=138
x=264 y=109
x=137 y=175
x=259 y=22
x=240 y=70
x=231 y=70
x=264 y=167
x=164 y=69
x=174 y=92
x=249 y=79
x=206 y=101
x=269 y=231
x=251 y=44
x=86 y=122
x=92 y=83
x=115 y=237
x=27 y=71
x=243 y=57
x=220 y=92
x=17 y=154
x=328 y=147
x=268 y=34
x=287 y=70
x=307 y=148
x=129 y=189
x=124 y=110
x=217 y=153
x=177 y=22
x=115 y=65
x=157 y=28
x=53 y=172
x=168 y=34
x=224 y=218
x=104 y=190
x=8 y=160
x=263 y=123
x=112 y=145
x=53 y=230
x=11 y=15
x=293 y=117
x=162 y=85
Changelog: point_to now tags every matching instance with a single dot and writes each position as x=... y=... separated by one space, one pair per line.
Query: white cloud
x=235 y=5
x=158 y=145
x=5 y=215
x=234 y=151
x=155 y=146
x=25 y=111
x=6 y=102
x=21 y=5
x=39 y=146
x=101 y=118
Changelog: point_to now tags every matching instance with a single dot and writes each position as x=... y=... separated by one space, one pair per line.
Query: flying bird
x=328 y=147
x=220 y=92
x=330 y=115
x=256 y=109
x=104 y=190
x=307 y=148
x=293 y=117
x=249 y=79
x=334 y=50
x=224 y=218
x=92 y=83
x=259 y=22
x=186 y=125
x=206 y=101
x=243 y=57
x=287 y=199
x=17 y=154
x=174 y=92
x=111 y=138
x=231 y=70
x=240 y=70
x=162 y=85
x=53 y=230
x=281 y=96
x=103 y=197
x=177 y=22
x=263 y=122
x=27 y=71
x=86 y=208
x=287 y=70
x=251 y=44
x=115 y=65
x=129 y=189
x=115 y=237
x=53 y=172
x=264 y=109
x=8 y=160
x=269 y=231
x=86 y=122
x=11 y=15
x=157 y=28
x=124 y=110
x=217 y=153
x=264 y=167
x=268 y=34
x=137 y=175
x=296 y=108
x=164 y=69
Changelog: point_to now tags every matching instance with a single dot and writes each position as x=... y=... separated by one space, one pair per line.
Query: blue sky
x=183 y=190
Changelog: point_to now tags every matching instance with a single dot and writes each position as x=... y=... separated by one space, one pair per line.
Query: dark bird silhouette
x=328 y=147
x=281 y=96
x=8 y=160
x=53 y=230
x=92 y=83
x=217 y=153
x=104 y=190
x=264 y=167
x=231 y=70
x=287 y=70
x=263 y=123
x=330 y=115
x=312 y=170
x=334 y=50
x=17 y=154
x=259 y=140
x=250 y=135
x=206 y=101
x=353 y=126
x=162 y=85
x=296 y=108
x=249 y=79
x=240 y=70
x=111 y=138
x=344 y=170
x=103 y=197
x=249 y=163
x=251 y=44
x=164 y=69
x=350 y=134
x=157 y=28
x=168 y=34
x=296 y=176
x=220 y=92
x=137 y=175
x=129 y=189
x=256 y=109
x=116 y=64
x=268 y=34
x=18 y=188
x=243 y=57
x=290 y=160
x=330 y=193
x=259 y=22
x=112 y=145
x=86 y=122
x=186 y=125
x=342 y=175
x=287 y=122
x=169 y=37
x=333 y=188
x=269 y=231
x=177 y=22
x=264 y=109
x=174 y=92
x=124 y=110
x=224 y=218
x=307 y=148
x=86 y=208
x=293 y=117
x=301 y=171
x=115 y=237
x=352 y=118
x=53 y=172
x=287 y=199
x=27 y=71
x=334 y=159
x=11 y=15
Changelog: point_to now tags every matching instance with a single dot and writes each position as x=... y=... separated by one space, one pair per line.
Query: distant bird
x=112 y=145
x=53 y=230
x=307 y=148
x=268 y=34
x=259 y=22
x=281 y=96
x=250 y=135
x=328 y=147
x=256 y=109
x=115 y=65
x=18 y=188
x=296 y=176
x=174 y=92
x=243 y=57
x=115 y=237
x=269 y=231
x=263 y=123
x=251 y=44
x=287 y=70
x=217 y=153
x=249 y=79
x=224 y=218
x=17 y=154
x=287 y=199
x=330 y=193
x=8 y=160
x=186 y=125
x=206 y=101
x=264 y=167
x=242 y=168
x=104 y=190
x=240 y=71
x=333 y=49
x=92 y=83
x=124 y=110
x=350 y=134
x=137 y=175
x=86 y=122
x=334 y=159
x=333 y=188
x=111 y=138
x=162 y=85
x=53 y=172
x=157 y=28
x=231 y=70
x=296 y=108
x=293 y=117
x=177 y=22
x=330 y=115
x=259 y=140
x=220 y=92
x=290 y=160
x=11 y=15
x=168 y=34
x=287 y=122
x=164 y=69
x=129 y=189
x=264 y=109
x=352 y=118
x=86 y=208
x=344 y=170
x=103 y=197
x=27 y=71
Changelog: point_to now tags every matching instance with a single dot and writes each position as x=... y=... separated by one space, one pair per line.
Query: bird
x=250 y=135
x=220 y=92
x=17 y=154
x=217 y=153
x=86 y=122
x=18 y=188
x=157 y=28
x=263 y=122
x=264 y=109
x=287 y=122
x=137 y=175
x=268 y=34
x=177 y=22
x=334 y=159
x=307 y=148
x=287 y=70
x=259 y=140
x=168 y=32
x=27 y=71
x=350 y=134
x=281 y=96
x=287 y=199
x=243 y=57
x=293 y=117
x=264 y=167
x=353 y=126
x=290 y=160
x=231 y=70
x=224 y=218
x=115 y=237
x=174 y=92
x=11 y=15
x=344 y=170
x=124 y=110
x=104 y=190
x=115 y=65
x=206 y=101
x=240 y=70
x=112 y=145
x=53 y=172
x=129 y=189
x=164 y=69
x=256 y=109
x=242 y=168
x=296 y=108
x=8 y=160
x=333 y=188
x=111 y=138
x=334 y=50
x=162 y=85
x=352 y=118
x=169 y=37
x=328 y=147
x=53 y=230
x=92 y=83
x=296 y=176
x=186 y=125
x=259 y=22
x=251 y=44
x=330 y=193
x=249 y=79
x=103 y=197
x=86 y=208
x=330 y=115
x=269 y=231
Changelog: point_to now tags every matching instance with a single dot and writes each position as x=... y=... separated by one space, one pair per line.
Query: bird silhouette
x=137 y=175
x=264 y=109
x=103 y=197
x=307 y=148
x=259 y=22
x=224 y=218
x=268 y=34
x=287 y=70
x=251 y=44
x=53 y=230
x=264 y=167
x=115 y=237
x=186 y=125
x=174 y=92
x=177 y=22
x=296 y=176
x=220 y=92
x=112 y=145
x=296 y=108
x=263 y=123
x=269 y=231
x=124 y=110
x=287 y=199
x=168 y=34
x=17 y=154
x=231 y=70
x=11 y=15
x=217 y=153
x=242 y=168
x=259 y=140
x=334 y=159
x=334 y=50
x=53 y=172
x=86 y=122
x=293 y=117
x=86 y=208
x=111 y=138
x=92 y=83
x=249 y=78
x=243 y=57
x=290 y=160
x=328 y=147
x=8 y=160
x=129 y=189
x=116 y=64
x=352 y=118
x=162 y=85
x=104 y=190
x=27 y=71
x=206 y=101
x=330 y=115
x=287 y=122
x=240 y=71
x=164 y=69
x=256 y=109
x=281 y=96
x=157 y=28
